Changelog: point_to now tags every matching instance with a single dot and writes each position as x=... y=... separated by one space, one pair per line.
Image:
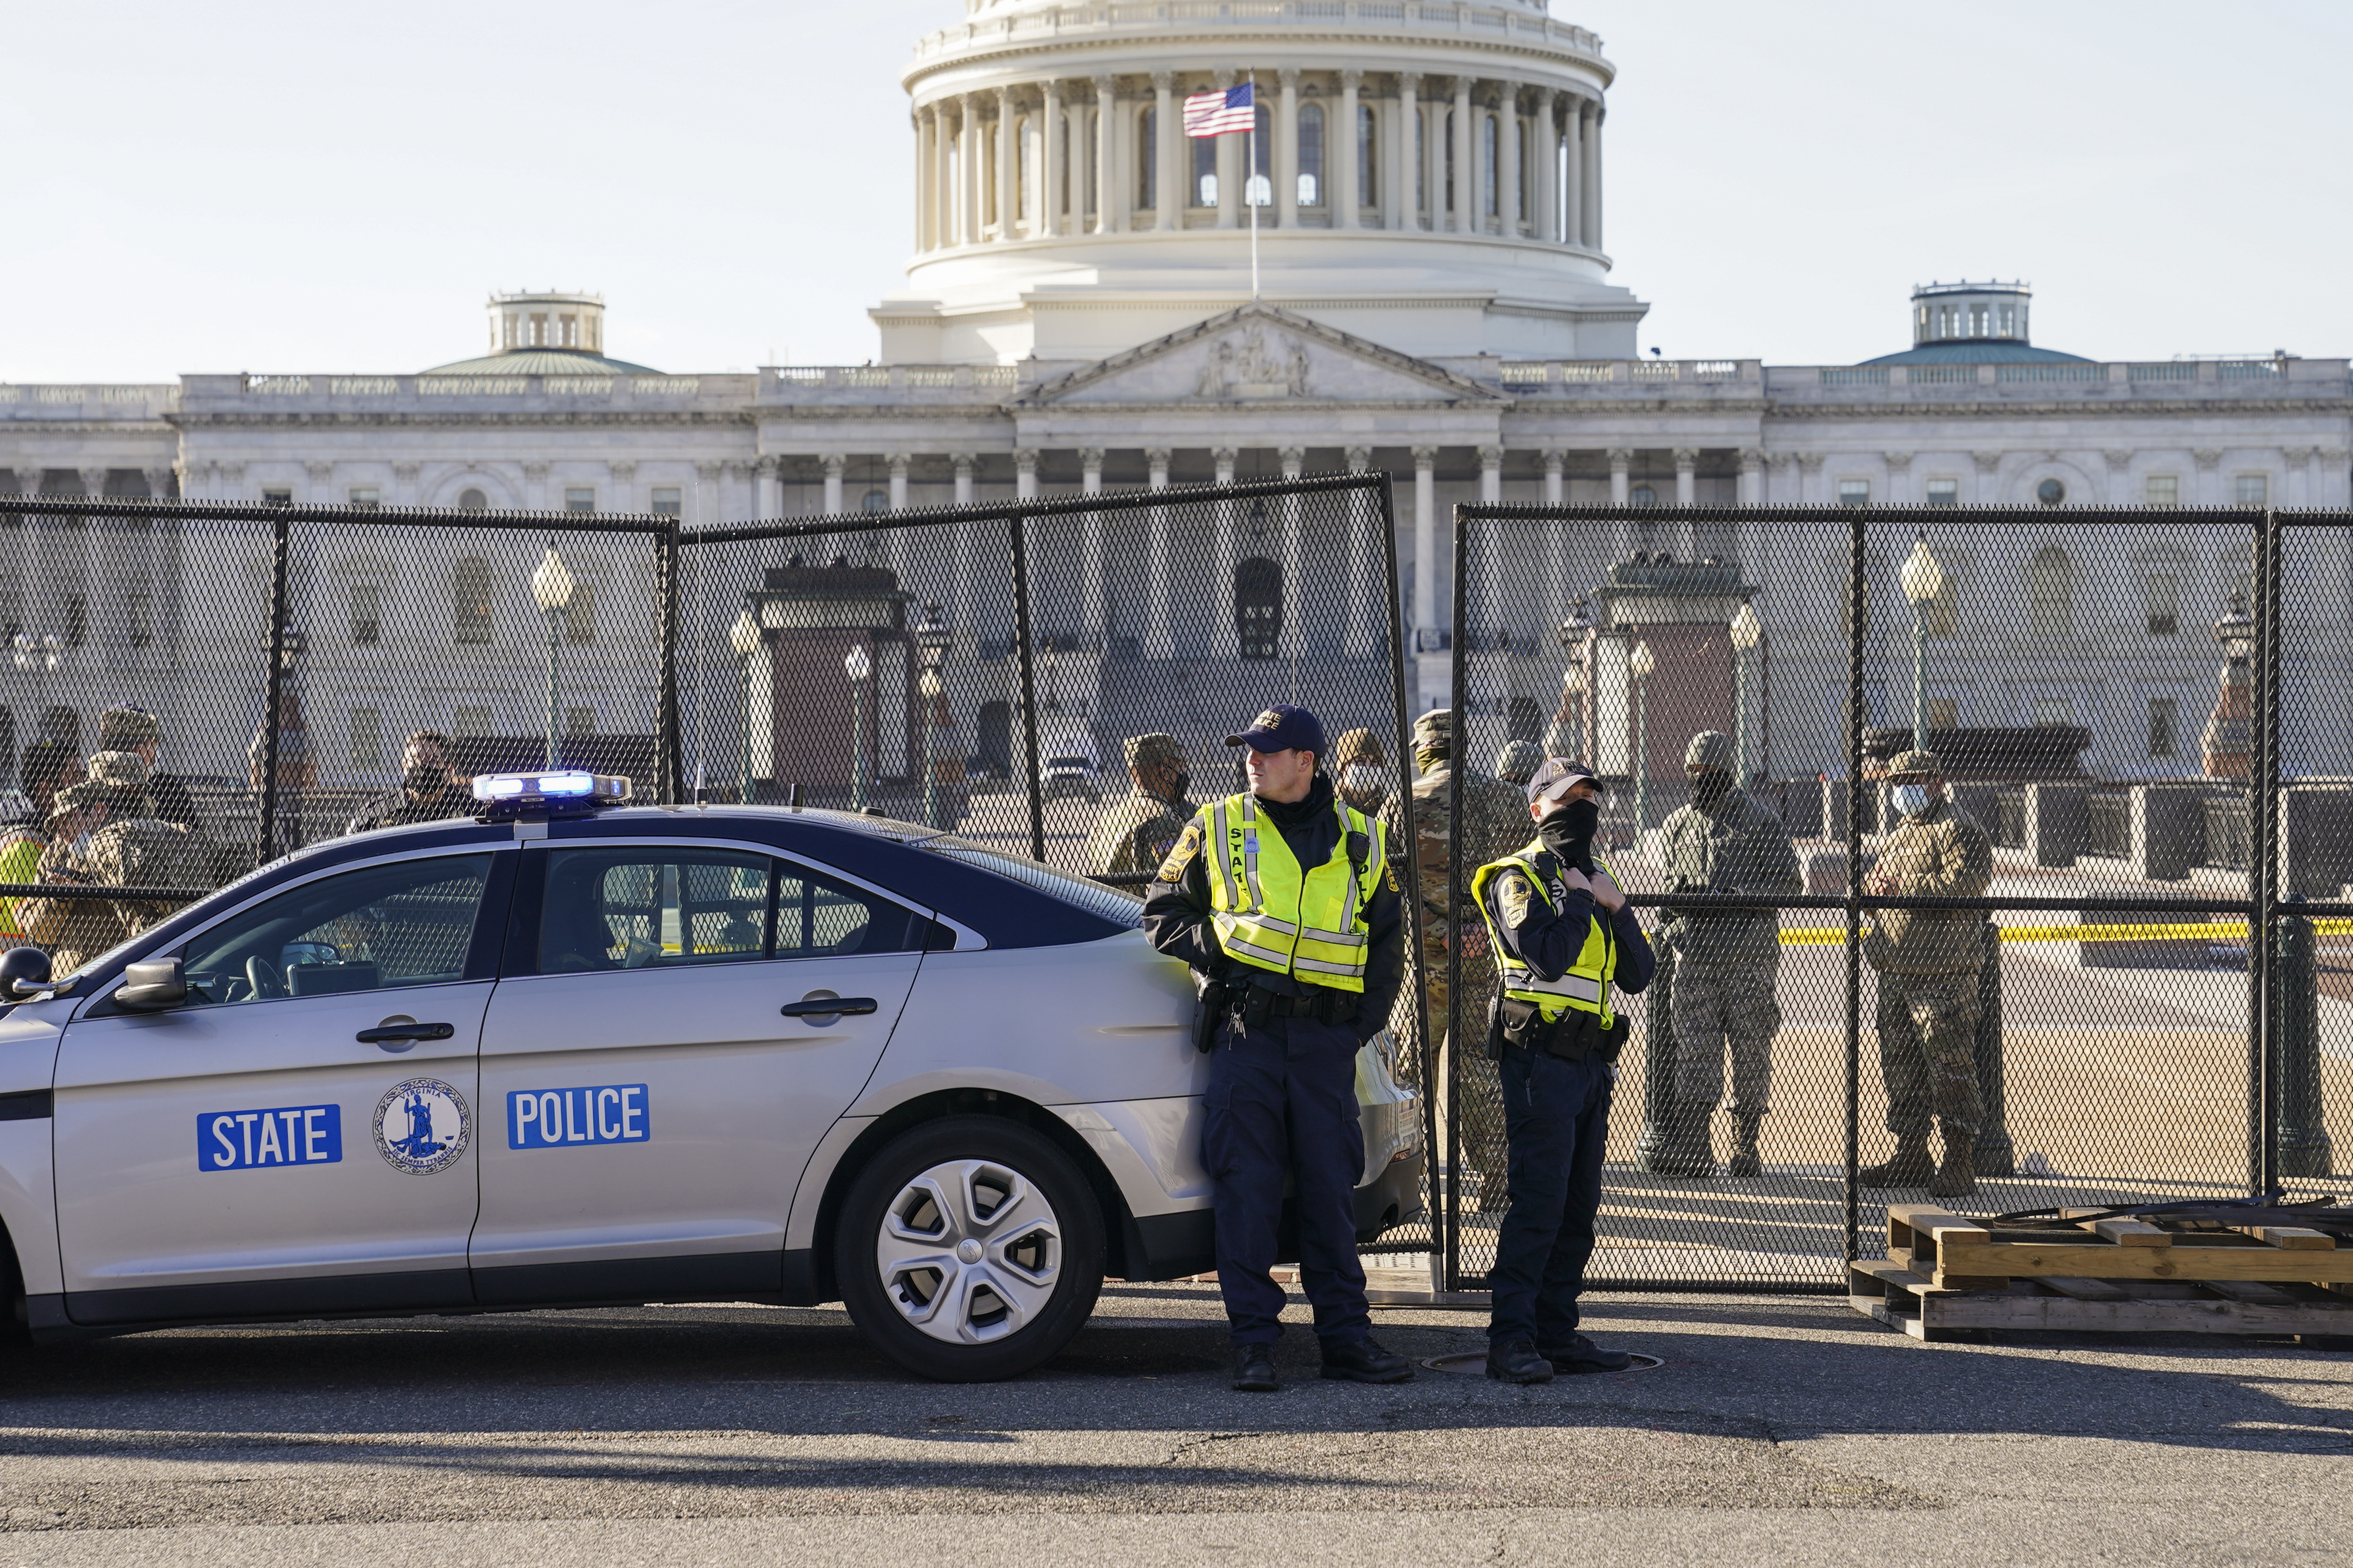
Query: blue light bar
x=570 y=788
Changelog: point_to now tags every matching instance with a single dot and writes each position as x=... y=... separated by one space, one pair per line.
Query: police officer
x=1726 y=962
x=1928 y=961
x=1494 y=816
x=1563 y=936
x=1281 y=901
x=429 y=789
x=1136 y=832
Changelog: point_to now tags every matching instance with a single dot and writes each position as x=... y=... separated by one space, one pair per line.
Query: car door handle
x=830 y=1006
x=387 y=1034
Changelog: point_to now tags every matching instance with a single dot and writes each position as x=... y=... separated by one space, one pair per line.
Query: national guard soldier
x=430 y=790
x=1517 y=762
x=1282 y=902
x=75 y=929
x=1363 y=770
x=1928 y=962
x=1494 y=817
x=1136 y=832
x=136 y=730
x=1563 y=937
x=1725 y=962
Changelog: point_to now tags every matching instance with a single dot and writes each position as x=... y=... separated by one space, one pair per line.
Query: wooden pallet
x=1947 y=1276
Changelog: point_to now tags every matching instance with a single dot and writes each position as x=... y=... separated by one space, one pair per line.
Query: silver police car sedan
x=580 y=1056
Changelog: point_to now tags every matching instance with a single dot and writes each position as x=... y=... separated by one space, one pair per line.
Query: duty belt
x=1256 y=1005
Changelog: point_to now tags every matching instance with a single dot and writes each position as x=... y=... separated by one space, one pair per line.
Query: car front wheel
x=970 y=1249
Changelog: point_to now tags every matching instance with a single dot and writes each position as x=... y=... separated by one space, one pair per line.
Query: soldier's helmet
x=1358 y=746
x=1518 y=762
x=1709 y=749
x=119 y=778
x=1434 y=730
x=1142 y=751
x=1916 y=764
x=120 y=728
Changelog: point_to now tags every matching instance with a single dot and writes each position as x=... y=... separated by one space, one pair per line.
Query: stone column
x=767 y=487
x=835 y=462
x=1986 y=489
x=1686 y=475
x=1752 y=477
x=1158 y=644
x=1507 y=174
x=927 y=158
x=1490 y=476
x=1555 y=462
x=1284 y=162
x=973 y=180
x=1230 y=160
x=963 y=466
x=1899 y=477
x=1107 y=161
x=2210 y=481
x=1025 y=474
x=1467 y=216
x=1365 y=630
x=1403 y=172
x=1224 y=458
x=1091 y=459
x=159 y=483
x=1547 y=182
x=1572 y=157
x=404 y=485
x=1049 y=160
x=1294 y=461
x=1622 y=463
x=1808 y=464
x=1340 y=153
x=2299 y=475
x=943 y=177
x=1008 y=167
x=1225 y=640
x=2119 y=477
x=899 y=461
x=1167 y=147
x=1593 y=180
x=1157 y=457
x=1425 y=545
x=706 y=492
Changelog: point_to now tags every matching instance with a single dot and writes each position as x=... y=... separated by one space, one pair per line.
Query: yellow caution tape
x=2231 y=929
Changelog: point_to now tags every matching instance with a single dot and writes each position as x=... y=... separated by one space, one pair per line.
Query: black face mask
x=1710 y=786
x=425 y=779
x=1567 y=831
x=1178 y=784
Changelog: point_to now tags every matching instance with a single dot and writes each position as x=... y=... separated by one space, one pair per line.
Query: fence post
x=1858 y=605
x=2301 y=1134
x=1026 y=655
x=669 y=741
x=2262 y=880
x=1992 y=1154
x=1458 y=759
x=274 y=690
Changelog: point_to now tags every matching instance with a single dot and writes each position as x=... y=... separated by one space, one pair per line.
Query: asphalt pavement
x=1788 y=1430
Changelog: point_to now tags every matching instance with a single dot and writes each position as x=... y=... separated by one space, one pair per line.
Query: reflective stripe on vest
x=1586 y=987
x=1268 y=915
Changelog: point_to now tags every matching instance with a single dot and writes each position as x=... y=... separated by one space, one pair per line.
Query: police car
x=582 y=1053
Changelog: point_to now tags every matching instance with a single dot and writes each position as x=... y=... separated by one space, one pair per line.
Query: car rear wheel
x=970 y=1249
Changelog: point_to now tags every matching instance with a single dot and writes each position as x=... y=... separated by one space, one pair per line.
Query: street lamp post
x=743 y=636
x=1748 y=631
x=552 y=585
x=934 y=639
x=1641 y=661
x=1923 y=581
x=858 y=666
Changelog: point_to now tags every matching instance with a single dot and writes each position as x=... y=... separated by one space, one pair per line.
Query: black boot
x=1361 y=1360
x=1690 y=1145
x=1578 y=1354
x=1910 y=1167
x=1254 y=1369
x=1746 y=1161
x=1516 y=1361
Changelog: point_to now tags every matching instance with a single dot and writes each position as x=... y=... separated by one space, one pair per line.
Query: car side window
x=374 y=928
x=635 y=907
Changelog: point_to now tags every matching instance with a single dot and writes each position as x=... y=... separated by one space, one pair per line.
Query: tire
x=1016 y=1265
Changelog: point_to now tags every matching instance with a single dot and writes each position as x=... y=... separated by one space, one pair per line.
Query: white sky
x=248 y=184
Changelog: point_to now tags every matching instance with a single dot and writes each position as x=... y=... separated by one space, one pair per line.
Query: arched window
x=470 y=600
x=1205 y=170
x=1257 y=607
x=874 y=501
x=1368 y=142
x=2051 y=492
x=1642 y=495
x=2050 y=591
x=1491 y=130
x=1147 y=158
x=473 y=501
x=988 y=194
x=1310 y=155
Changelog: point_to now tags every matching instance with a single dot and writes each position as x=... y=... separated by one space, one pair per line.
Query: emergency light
x=564 y=791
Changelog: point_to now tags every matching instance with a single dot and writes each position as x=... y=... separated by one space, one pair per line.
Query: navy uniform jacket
x=1548 y=937
x=1177 y=912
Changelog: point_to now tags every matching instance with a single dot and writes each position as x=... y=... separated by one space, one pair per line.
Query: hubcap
x=969 y=1251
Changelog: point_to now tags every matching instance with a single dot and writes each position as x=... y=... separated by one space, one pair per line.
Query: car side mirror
x=151 y=985
x=23 y=971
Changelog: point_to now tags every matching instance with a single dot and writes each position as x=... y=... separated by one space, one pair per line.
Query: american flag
x=1221 y=114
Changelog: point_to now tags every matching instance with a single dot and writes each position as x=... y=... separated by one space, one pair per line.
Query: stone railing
x=2062 y=378
x=115 y=398
x=1535 y=374
x=380 y=390
x=1052 y=23
x=793 y=381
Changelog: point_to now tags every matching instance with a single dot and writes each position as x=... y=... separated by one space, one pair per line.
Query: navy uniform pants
x=1556 y=1118
x=1283 y=1098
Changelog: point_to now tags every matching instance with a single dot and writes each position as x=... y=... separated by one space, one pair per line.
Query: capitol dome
x=1427 y=176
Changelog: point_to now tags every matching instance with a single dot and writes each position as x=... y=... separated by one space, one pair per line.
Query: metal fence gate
x=2147 y=710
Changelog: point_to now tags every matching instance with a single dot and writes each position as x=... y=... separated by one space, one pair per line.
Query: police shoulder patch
x=1188 y=844
x=1513 y=895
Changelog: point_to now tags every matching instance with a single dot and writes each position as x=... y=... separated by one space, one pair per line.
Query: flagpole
x=1249 y=185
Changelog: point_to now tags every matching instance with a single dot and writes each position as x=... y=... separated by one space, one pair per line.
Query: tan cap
x=1144 y=750
x=1916 y=764
x=112 y=774
x=1709 y=749
x=1358 y=746
x=120 y=728
x=1435 y=728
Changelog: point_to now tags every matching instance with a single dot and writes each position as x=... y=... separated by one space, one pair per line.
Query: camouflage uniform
x=1725 y=964
x=117 y=855
x=1517 y=762
x=1136 y=832
x=1928 y=963
x=1495 y=822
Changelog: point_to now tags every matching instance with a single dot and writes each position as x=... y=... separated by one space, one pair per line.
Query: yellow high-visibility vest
x=1269 y=914
x=1586 y=987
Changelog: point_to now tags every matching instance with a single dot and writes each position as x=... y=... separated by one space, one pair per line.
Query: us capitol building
x=1435 y=300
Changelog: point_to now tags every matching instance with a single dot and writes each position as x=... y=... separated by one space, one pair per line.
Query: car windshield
x=1114 y=904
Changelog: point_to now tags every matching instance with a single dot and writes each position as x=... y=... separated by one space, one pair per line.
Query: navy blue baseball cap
x=1282 y=728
